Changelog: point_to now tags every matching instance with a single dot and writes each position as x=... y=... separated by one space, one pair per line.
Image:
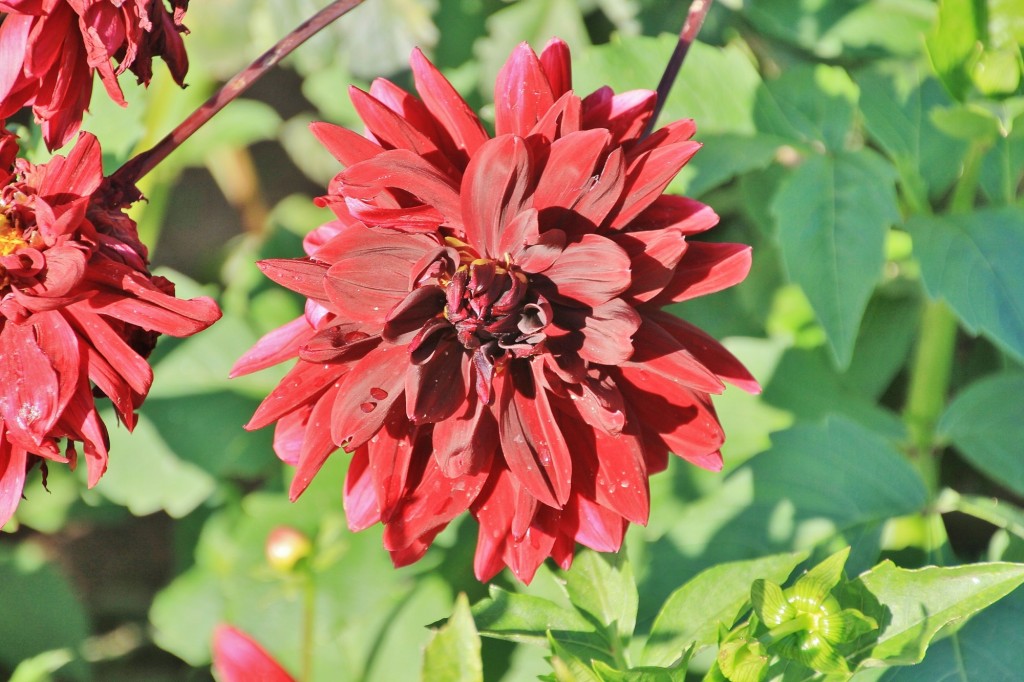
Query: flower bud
x=285 y=547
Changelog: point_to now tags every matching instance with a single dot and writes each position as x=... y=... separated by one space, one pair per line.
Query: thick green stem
x=929 y=384
x=933 y=358
x=802 y=623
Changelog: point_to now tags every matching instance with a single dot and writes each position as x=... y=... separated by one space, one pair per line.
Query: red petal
x=524 y=556
x=673 y=212
x=590 y=272
x=13 y=459
x=561 y=119
x=370 y=388
x=493 y=509
x=521 y=231
x=346 y=146
x=391 y=453
x=602 y=335
x=436 y=385
x=447 y=106
x=708 y=351
x=466 y=443
x=660 y=358
x=611 y=469
x=522 y=94
x=289 y=433
x=706 y=268
x=494 y=191
x=404 y=170
x=14 y=33
x=684 y=420
x=238 y=658
x=301 y=385
x=317 y=445
x=361 y=507
x=598 y=528
x=407 y=318
x=110 y=344
x=79 y=174
x=654 y=255
x=431 y=505
x=531 y=441
x=557 y=66
x=625 y=115
x=371 y=274
x=647 y=177
x=274 y=347
x=29 y=389
x=570 y=169
x=391 y=130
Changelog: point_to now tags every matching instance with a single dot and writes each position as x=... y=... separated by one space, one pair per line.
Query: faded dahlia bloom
x=79 y=313
x=237 y=657
x=50 y=50
x=484 y=329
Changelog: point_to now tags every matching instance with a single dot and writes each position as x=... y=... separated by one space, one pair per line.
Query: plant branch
x=138 y=166
x=691 y=27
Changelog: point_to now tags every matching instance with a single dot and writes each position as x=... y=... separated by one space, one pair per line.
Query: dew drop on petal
x=368 y=407
x=378 y=393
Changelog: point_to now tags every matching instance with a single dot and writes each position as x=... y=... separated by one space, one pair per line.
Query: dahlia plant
x=532 y=282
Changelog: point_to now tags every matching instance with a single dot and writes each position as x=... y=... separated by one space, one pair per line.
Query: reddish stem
x=125 y=177
x=691 y=27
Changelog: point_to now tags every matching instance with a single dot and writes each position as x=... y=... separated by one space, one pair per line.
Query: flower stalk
x=691 y=27
x=138 y=166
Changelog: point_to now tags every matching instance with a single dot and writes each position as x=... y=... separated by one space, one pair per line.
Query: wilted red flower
x=483 y=328
x=237 y=657
x=79 y=312
x=49 y=50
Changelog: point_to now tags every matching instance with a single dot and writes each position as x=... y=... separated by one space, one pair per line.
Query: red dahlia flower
x=49 y=50
x=79 y=312
x=483 y=329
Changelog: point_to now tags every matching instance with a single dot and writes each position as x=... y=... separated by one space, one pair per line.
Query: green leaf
x=985 y=426
x=602 y=585
x=807 y=385
x=968 y=122
x=642 y=674
x=972 y=261
x=568 y=666
x=42 y=612
x=955 y=43
x=810 y=105
x=833 y=213
x=911 y=606
x=716 y=89
x=897 y=114
x=453 y=655
x=150 y=476
x=986 y=648
x=525 y=618
x=693 y=613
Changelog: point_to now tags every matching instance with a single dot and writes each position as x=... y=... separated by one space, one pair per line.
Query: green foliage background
x=872 y=152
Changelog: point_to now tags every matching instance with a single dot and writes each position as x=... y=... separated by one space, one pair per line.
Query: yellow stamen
x=10 y=237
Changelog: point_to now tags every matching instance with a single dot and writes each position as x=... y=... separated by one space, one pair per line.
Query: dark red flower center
x=495 y=314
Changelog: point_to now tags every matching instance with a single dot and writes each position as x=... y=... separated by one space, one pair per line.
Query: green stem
x=932 y=364
x=308 y=624
x=929 y=384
